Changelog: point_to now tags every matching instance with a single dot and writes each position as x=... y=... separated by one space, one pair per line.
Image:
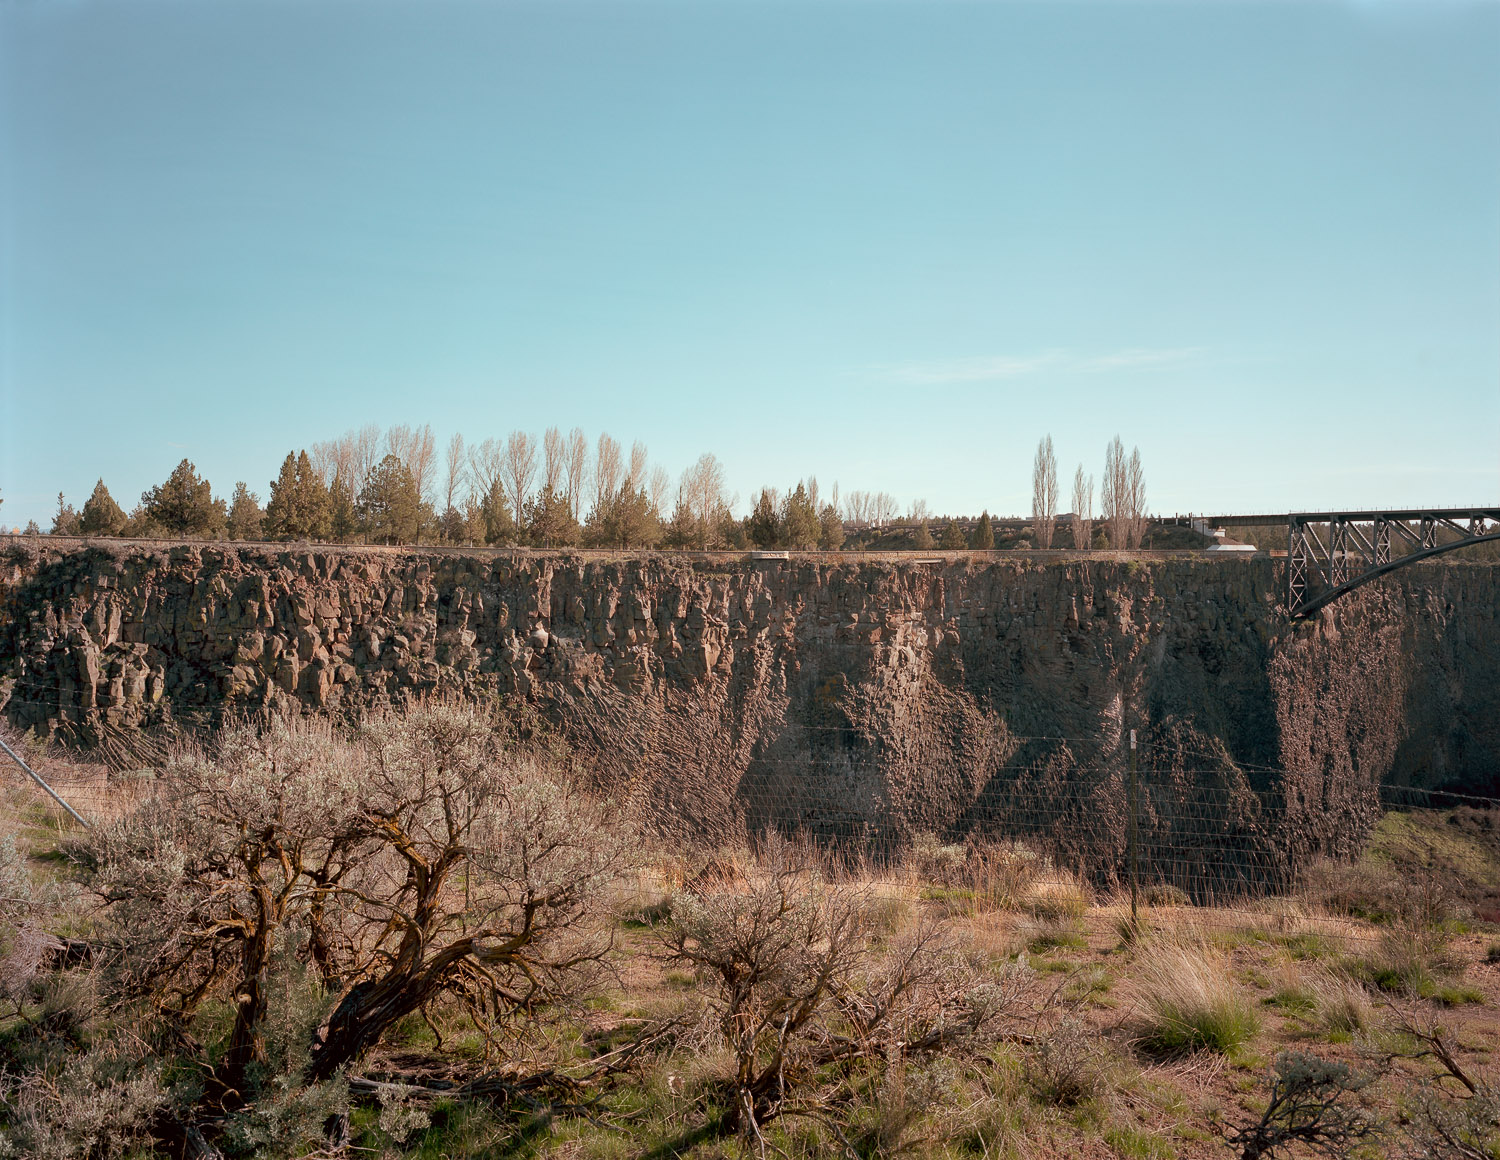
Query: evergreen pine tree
x=452 y=528
x=299 y=507
x=762 y=525
x=499 y=524
x=922 y=540
x=831 y=534
x=140 y=526
x=983 y=539
x=800 y=527
x=280 y=522
x=473 y=516
x=184 y=504
x=682 y=530
x=549 y=519
x=389 y=505
x=101 y=516
x=343 y=520
x=953 y=539
x=65 y=521
x=312 y=501
x=245 y=516
x=626 y=522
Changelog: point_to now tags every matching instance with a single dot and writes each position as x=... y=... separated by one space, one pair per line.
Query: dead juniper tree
x=1308 y=1106
x=799 y=985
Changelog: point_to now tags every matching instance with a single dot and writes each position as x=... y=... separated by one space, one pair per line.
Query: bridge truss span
x=1331 y=553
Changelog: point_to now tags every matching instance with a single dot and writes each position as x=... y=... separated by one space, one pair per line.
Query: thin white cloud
x=996 y=367
x=1138 y=357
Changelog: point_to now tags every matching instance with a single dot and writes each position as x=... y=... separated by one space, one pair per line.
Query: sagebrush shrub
x=1309 y=1106
x=427 y=855
x=97 y=1104
x=797 y=983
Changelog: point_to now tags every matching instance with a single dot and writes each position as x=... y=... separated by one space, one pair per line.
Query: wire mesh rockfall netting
x=1214 y=843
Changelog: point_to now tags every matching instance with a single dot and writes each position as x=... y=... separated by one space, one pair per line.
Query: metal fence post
x=1132 y=852
x=31 y=773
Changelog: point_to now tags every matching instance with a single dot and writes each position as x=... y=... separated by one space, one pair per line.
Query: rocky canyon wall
x=858 y=700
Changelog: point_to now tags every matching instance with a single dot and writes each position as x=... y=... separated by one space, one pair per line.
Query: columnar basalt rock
x=856 y=700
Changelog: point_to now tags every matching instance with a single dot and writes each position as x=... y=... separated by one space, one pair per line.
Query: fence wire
x=1185 y=830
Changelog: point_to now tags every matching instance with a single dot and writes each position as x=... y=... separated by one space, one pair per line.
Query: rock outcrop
x=859 y=701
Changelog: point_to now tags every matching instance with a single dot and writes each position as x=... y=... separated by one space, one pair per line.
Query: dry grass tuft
x=1338 y=1004
x=1057 y=897
x=1189 y=1000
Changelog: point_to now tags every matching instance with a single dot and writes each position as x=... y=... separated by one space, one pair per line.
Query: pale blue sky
x=891 y=244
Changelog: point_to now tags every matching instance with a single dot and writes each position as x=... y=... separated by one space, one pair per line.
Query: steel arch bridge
x=1331 y=553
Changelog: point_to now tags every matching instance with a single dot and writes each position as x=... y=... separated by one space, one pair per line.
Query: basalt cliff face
x=857 y=700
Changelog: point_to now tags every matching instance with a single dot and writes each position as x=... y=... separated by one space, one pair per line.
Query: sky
x=889 y=244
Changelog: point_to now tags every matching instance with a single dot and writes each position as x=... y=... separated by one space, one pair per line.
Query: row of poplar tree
x=388 y=508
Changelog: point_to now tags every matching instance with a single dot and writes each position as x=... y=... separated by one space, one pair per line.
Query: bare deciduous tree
x=1123 y=496
x=324 y=457
x=519 y=471
x=1135 y=494
x=635 y=474
x=660 y=488
x=884 y=508
x=1083 y=508
x=577 y=470
x=606 y=471
x=554 y=460
x=364 y=452
x=1111 y=484
x=456 y=473
x=702 y=491
x=1044 y=492
x=487 y=466
x=350 y=456
x=416 y=448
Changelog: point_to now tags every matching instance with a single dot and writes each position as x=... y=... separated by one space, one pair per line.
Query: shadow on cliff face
x=858 y=703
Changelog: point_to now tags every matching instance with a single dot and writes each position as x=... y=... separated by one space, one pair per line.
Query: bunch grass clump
x=1056 y=897
x=1190 y=1002
x=1335 y=1002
